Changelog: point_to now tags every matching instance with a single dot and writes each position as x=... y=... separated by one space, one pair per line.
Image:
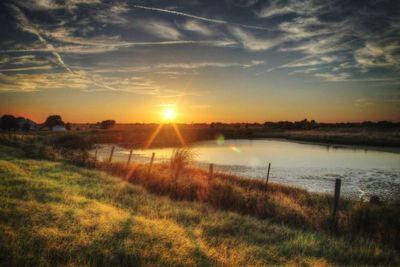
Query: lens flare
x=220 y=139
x=235 y=148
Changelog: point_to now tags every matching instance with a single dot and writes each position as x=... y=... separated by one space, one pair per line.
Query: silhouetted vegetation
x=107 y=124
x=8 y=122
x=311 y=125
x=52 y=121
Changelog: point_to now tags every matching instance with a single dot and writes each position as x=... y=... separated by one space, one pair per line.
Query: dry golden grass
x=292 y=206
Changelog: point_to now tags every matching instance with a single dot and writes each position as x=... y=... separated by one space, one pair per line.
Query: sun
x=169 y=113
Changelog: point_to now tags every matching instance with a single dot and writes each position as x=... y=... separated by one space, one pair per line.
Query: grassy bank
x=53 y=213
x=282 y=204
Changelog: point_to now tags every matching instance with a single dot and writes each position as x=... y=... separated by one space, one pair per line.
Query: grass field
x=53 y=213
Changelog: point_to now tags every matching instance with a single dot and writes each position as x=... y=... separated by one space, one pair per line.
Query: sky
x=217 y=60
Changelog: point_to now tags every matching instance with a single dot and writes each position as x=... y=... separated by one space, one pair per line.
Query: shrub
x=70 y=141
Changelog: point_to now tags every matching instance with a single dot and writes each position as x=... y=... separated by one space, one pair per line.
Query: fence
x=335 y=204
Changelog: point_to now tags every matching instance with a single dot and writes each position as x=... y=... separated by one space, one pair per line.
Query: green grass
x=52 y=213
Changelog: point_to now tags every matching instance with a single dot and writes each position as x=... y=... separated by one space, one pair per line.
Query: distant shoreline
x=394 y=149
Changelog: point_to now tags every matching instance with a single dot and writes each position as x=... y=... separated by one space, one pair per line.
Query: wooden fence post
x=211 y=172
x=336 y=204
x=266 y=182
x=111 y=154
x=151 y=164
x=129 y=158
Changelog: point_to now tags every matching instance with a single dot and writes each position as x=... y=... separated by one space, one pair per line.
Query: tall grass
x=290 y=205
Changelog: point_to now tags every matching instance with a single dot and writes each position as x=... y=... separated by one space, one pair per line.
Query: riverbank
x=373 y=140
x=54 y=213
x=333 y=145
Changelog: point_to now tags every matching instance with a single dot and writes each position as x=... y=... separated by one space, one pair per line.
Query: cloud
x=25 y=25
x=310 y=61
x=346 y=31
x=113 y=14
x=304 y=71
x=343 y=76
x=279 y=7
x=53 y=4
x=254 y=63
x=169 y=68
x=346 y=77
x=252 y=43
x=363 y=102
x=198 y=65
x=335 y=41
x=242 y=3
x=195 y=26
x=161 y=29
x=44 y=67
x=24 y=60
x=302 y=27
x=41 y=81
x=372 y=55
x=93 y=48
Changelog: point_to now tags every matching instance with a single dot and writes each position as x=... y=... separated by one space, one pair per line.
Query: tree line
x=11 y=123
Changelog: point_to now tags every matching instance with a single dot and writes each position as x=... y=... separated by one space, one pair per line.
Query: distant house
x=59 y=128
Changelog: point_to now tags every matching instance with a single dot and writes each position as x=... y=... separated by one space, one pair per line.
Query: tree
x=8 y=122
x=107 y=124
x=26 y=127
x=53 y=120
x=68 y=126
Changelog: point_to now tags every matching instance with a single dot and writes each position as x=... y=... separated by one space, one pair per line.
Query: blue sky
x=231 y=60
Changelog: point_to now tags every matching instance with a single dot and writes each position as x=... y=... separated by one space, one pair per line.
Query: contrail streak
x=218 y=21
x=29 y=27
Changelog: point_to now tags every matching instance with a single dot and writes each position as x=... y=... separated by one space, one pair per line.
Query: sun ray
x=179 y=135
x=153 y=136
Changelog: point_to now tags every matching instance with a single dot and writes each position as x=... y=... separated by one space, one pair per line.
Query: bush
x=39 y=151
x=70 y=141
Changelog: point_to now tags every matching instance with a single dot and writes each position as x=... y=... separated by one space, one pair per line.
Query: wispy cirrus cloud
x=199 y=65
x=279 y=7
x=195 y=26
x=160 y=29
x=310 y=61
x=373 y=55
x=317 y=32
x=253 y=43
x=54 y=5
x=113 y=15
